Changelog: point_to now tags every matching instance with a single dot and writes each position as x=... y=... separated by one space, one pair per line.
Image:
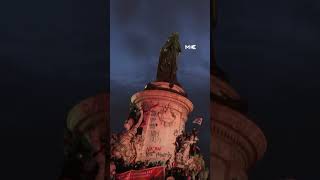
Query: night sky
x=53 y=54
x=138 y=30
x=270 y=50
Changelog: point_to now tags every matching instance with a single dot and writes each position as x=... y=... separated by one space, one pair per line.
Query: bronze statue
x=167 y=67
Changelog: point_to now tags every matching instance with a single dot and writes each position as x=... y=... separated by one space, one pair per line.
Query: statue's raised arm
x=167 y=66
x=140 y=119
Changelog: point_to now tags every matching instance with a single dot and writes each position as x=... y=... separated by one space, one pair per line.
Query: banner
x=155 y=173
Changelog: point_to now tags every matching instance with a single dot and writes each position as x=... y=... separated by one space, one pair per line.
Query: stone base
x=237 y=143
x=165 y=114
x=166 y=87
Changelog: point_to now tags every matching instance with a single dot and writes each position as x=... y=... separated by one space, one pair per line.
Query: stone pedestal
x=165 y=114
x=237 y=142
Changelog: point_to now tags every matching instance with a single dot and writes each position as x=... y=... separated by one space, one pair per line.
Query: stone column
x=165 y=115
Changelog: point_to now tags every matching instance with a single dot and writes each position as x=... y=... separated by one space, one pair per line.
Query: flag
x=198 y=121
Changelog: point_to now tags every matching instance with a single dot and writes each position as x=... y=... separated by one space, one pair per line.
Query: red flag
x=198 y=121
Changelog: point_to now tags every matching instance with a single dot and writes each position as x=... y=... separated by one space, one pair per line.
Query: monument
x=154 y=143
x=85 y=140
x=237 y=142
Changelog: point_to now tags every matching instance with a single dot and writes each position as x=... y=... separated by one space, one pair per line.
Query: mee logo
x=190 y=47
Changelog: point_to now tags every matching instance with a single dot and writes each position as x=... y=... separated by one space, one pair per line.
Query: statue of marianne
x=167 y=66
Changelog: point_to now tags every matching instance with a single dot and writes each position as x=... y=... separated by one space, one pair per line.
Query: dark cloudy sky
x=53 y=54
x=138 y=31
x=270 y=50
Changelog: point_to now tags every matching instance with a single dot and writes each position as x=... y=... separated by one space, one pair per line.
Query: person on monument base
x=194 y=138
x=167 y=66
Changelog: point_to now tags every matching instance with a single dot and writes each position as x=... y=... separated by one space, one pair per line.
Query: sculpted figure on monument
x=167 y=66
x=124 y=147
x=186 y=148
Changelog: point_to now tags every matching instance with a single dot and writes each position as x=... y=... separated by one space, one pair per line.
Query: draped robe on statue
x=167 y=67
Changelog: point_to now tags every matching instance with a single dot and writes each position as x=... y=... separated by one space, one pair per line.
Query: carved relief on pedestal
x=123 y=147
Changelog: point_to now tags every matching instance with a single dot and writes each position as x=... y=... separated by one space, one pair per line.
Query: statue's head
x=174 y=36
